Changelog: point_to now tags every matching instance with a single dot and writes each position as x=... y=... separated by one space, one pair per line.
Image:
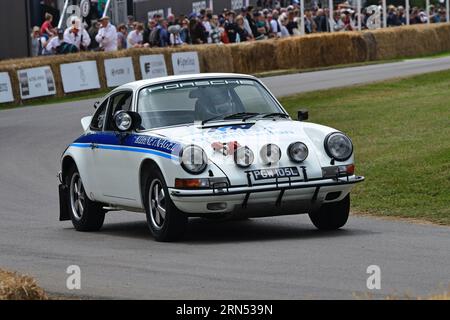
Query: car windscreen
x=186 y=102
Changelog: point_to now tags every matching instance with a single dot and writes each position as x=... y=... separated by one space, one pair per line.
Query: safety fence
x=25 y=79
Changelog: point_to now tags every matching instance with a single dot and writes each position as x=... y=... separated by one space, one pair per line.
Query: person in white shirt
x=77 y=36
x=135 y=38
x=107 y=35
x=275 y=25
x=54 y=43
x=175 y=38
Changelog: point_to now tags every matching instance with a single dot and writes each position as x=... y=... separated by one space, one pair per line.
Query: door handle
x=94 y=146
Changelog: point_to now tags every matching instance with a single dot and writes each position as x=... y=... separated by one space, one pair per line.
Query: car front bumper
x=264 y=199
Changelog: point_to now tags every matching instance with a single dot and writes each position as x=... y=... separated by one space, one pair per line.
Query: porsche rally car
x=216 y=146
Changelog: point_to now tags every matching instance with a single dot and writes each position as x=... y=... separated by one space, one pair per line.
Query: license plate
x=264 y=174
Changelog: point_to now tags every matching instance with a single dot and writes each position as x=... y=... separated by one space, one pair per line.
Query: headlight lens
x=244 y=157
x=193 y=159
x=270 y=154
x=123 y=121
x=338 y=146
x=298 y=152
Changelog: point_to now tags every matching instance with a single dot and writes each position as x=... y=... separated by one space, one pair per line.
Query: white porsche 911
x=208 y=145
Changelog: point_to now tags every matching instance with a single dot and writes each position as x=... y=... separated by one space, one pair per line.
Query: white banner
x=79 y=76
x=119 y=71
x=185 y=63
x=6 y=94
x=153 y=66
x=36 y=82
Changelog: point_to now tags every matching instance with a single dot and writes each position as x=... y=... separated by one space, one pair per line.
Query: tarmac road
x=270 y=258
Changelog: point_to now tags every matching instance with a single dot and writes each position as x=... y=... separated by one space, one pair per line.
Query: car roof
x=201 y=76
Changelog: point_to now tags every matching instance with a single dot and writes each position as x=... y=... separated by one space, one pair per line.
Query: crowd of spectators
x=205 y=27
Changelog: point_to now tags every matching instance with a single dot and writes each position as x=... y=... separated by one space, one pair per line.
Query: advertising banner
x=6 y=94
x=185 y=63
x=153 y=66
x=119 y=71
x=80 y=76
x=36 y=82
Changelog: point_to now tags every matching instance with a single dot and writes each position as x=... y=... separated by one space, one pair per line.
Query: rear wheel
x=331 y=216
x=86 y=215
x=165 y=221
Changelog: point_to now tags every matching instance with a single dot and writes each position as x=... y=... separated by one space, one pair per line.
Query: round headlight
x=123 y=121
x=338 y=146
x=298 y=152
x=193 y=159
x=270 y=154
x=243 y=157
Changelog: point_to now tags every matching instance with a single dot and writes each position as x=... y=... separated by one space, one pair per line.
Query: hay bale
x=18 y=287
x=320 y=50
x=254 y=57
x=411 y=41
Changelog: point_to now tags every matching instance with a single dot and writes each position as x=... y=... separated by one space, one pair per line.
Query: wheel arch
x=146 y=167
x=67 y=163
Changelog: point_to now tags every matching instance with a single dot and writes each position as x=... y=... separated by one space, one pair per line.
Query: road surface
x=270 y=258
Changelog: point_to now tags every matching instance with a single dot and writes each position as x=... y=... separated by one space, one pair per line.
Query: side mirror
x=302 y=115
x=125 y=121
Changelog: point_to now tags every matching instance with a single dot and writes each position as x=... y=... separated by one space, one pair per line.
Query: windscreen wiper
x=239 y=115
x=275 y=114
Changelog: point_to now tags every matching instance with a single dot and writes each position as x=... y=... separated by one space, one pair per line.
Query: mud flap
x=64 y=213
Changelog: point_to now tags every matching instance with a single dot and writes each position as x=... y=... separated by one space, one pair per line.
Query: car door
x=117 y=168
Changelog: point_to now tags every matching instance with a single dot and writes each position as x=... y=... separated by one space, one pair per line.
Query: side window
x=98 y=121
x=119 y=102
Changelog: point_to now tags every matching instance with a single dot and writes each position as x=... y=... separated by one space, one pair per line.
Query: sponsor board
x=6 y=94
x=79 y=76
x=185 y=63
x=36 y=82
x=119 y=71
x=153 y=66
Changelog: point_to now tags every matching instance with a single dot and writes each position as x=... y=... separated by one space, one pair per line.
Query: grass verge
x=14 y=286
x=401 y=131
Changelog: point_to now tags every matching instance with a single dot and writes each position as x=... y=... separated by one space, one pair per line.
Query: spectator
x=47 y=29
x=135 y=38
x=184 y=33
x=37 y=42
x=241 y=30
x=216 y=33
x=76 y=38
x=130 y=24
x=164 y=34
x=107 y=35
x=231 y=27
x=275 y=26
x=197 y=31
x=246 y=17
x=93 y=30
x=122 y=35
x=54 y=44
x=175 y=38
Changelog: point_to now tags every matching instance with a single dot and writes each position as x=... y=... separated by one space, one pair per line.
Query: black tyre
x=165 y=221
x=86 y=215
x=331 y=216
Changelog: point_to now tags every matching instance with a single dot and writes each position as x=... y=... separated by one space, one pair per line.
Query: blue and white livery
x=217 y=146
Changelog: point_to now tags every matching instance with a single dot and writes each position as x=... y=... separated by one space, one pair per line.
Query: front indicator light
x=338 y=171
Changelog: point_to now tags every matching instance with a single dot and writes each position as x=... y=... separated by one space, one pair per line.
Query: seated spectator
x=47 y=29
x=37 y=42
x=54 y=44
x=122 y=35
x=135 y=38
x=76 y=38
x=107 y=35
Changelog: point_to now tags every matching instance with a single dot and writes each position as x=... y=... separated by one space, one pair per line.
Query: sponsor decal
x=155 y=142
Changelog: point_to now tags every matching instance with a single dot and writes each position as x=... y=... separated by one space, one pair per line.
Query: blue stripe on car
x=131 y=143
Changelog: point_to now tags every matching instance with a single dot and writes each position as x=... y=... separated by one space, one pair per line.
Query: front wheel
x=331 y=216
x=165 y=221
x=86 y=215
